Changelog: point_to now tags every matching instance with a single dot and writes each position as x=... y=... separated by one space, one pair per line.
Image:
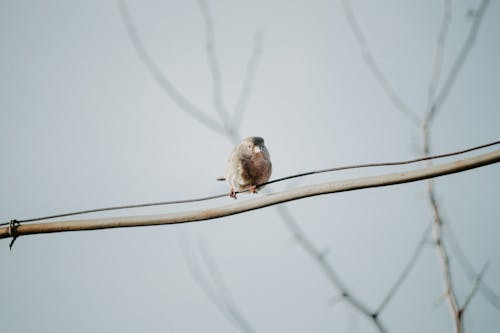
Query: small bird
x=249 y=165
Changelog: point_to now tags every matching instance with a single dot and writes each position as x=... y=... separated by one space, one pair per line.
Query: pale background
x=84 y=125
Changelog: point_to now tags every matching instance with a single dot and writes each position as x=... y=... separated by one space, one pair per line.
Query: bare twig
x=231 y=306
x=434 y=105
x=168 y=87
x=248 y=81
x=214 y=271
x=398 y=103
x=485 y=290
x=218 y=294
x=197 y=274
x=328 y=269
x=474 y=289
x=462 y=55
x=213 y=64
x=406 y=271
x=449 y=291
x=438 y=60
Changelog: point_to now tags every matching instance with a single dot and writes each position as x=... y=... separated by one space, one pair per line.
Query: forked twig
x=213 y=63
x=217 y=293
x=434 y=104
x=462 y=55
x=404 y=274
x=491 y=296
x=168 y=87
x=372 y=64
x=438 y=60
x=474 y=289
x=327 y=269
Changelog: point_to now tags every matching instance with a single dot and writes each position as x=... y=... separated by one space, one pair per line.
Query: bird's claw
x=253 y=189
x=232 y=194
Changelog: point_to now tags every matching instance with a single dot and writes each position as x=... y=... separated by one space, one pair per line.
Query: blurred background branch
x=375 y=69
x=406 y=270
x=214 y=66
x=486 y=291
x=434 y=103
x=217 y=291
x=168 y=87
x=320 y=257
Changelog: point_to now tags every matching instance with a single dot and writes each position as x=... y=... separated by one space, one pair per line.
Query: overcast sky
x=84 y=124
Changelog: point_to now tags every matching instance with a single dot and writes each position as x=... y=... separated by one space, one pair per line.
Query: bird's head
x=252 y=145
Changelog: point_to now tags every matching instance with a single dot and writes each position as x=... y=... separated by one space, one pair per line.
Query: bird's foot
x=253 y=189
x=232 y=194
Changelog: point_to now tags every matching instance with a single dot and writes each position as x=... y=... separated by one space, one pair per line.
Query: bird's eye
x=249 y=146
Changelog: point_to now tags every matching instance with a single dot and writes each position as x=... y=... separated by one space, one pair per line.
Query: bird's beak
x=257 y=149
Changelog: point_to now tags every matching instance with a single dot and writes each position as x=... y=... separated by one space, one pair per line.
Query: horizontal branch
x=256 y=203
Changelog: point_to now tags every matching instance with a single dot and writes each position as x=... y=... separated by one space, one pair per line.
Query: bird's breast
x=256 y=169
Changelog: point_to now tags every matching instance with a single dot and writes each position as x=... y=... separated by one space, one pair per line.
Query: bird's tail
x=221 y=178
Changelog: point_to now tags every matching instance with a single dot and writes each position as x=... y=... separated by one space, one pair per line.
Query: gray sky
x=83 y=124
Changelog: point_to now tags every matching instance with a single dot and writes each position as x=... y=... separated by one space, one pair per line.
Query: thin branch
x=406 y=270
x=197 y=274
x=327 y=268
x=438 y=60
x=449 y=290
x=491 y=296
x=474 y=289
x=433 y=107
x=168 y=87
x=259 y=202
x=369 y=59
x=214 y=271
x=459 y=61
x=214 y=294
x=235 y=313
x=213 y=63
x=248 y=80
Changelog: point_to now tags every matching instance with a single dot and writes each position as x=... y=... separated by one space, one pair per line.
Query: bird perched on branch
x=249 y=165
